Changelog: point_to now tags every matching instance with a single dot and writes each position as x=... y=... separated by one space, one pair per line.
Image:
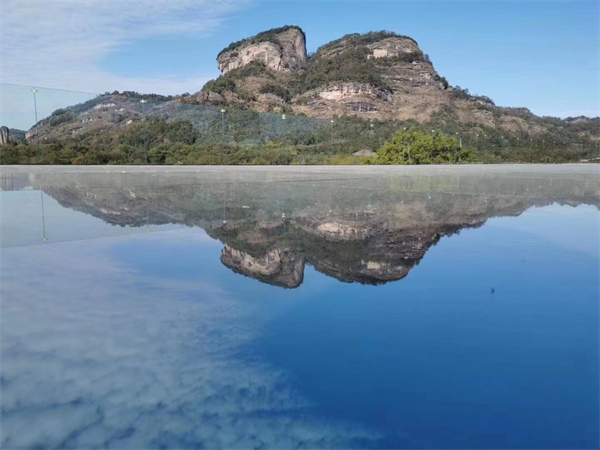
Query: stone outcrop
x=393 y=47
x=283 y=50
x=342 y=98
x=4 y=135
x=342 y=91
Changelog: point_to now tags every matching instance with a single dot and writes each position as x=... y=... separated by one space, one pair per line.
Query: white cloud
x=60 y=44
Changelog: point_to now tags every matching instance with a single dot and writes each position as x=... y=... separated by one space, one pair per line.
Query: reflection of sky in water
x=147 y=340
x=451 y=363
x=141 y=360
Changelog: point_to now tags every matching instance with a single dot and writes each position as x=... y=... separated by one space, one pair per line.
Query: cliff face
x=282 y=49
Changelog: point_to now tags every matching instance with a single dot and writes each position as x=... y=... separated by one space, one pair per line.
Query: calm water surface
x=300 y=308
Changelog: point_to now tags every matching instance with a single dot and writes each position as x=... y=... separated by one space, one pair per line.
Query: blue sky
x=541 y=55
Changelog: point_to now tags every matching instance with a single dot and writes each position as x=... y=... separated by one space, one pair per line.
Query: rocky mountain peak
x=279 y=49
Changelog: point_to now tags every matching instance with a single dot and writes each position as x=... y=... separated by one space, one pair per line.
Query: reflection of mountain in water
x=369 y=230
x=364 y=248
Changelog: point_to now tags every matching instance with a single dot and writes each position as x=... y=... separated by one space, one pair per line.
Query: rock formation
x=280 y=49
x=378 y=75
x=4 y=135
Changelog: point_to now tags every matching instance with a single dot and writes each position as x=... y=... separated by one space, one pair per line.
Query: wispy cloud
x=62 y=43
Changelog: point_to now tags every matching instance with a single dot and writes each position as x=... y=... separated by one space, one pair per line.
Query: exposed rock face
x=286 y=53
x=393 y=47
x=340 y=91
x=343 y=98
x=4 y=135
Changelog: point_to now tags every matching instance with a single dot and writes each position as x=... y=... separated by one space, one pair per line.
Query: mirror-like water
x=388 y=307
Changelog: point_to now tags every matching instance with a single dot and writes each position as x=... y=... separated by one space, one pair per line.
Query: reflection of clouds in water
x=97 y=355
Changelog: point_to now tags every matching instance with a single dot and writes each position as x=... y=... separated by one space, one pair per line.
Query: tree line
x=243 y=137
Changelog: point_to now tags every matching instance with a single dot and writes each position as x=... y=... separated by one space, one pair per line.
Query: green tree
x=411 y=146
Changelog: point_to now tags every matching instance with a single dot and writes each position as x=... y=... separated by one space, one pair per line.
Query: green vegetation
x=205 y=136
x=178 y=133
x=531 y=139
x=356 y=39
x=410 y=57
x=265 y=36
x=347 y=66
x=221 y=84
x=137 y=95
x=411 y=146
x=16 y=135
x=228 y=81
x=239 y=137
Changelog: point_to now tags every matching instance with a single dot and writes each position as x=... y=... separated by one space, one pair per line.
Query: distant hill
x=17 y=135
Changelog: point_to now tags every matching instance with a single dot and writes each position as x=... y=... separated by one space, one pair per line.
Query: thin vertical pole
x=37 y=134
x=223 y=128
x=44 y=239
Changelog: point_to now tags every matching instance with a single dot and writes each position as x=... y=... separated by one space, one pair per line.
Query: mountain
x=374 y=76
x=275 y=104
